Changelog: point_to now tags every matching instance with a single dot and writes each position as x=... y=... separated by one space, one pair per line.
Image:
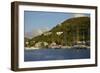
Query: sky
x=37 y=22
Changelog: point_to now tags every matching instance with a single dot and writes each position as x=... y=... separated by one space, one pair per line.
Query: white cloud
x=79 y=15
x=39 y=31
x=36 y=32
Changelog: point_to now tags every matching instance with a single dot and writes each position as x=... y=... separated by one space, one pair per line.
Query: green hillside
x=66 y=33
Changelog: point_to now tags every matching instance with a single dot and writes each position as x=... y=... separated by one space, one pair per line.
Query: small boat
x=79 y=47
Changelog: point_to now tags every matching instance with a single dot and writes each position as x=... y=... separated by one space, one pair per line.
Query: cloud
x=79 y=15
x=35 y=32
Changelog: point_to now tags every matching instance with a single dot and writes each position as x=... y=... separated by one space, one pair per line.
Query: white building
x=40 y=44
x=47 y=33
x=27 y=43
x=53 y=45
x=59 y=33
x=45 y=43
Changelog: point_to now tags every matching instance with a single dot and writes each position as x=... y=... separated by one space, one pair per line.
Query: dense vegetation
x=73 y=29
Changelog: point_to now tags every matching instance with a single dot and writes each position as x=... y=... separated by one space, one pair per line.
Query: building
x=41 y=44
x=47 y=33
x=59 y=33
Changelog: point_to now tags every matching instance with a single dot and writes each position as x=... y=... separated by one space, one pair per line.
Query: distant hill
x=66 y=33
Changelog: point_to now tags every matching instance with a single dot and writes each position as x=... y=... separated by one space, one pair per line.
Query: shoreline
x=33 y=48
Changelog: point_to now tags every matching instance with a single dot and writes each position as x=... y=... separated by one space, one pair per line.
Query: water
x=56 y=54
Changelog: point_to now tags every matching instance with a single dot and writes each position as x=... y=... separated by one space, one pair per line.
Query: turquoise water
x=56 y=54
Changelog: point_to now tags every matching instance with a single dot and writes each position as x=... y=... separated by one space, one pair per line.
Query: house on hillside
x=53 y=45
x=59 y=33
x=38 y=45
x=41 y=44
x=47 y=33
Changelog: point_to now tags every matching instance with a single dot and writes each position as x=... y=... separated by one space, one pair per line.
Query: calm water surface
x=56 y=54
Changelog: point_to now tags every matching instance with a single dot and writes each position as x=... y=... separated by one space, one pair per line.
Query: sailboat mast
x=65 y=39
x=83 y=36
x=77 y=34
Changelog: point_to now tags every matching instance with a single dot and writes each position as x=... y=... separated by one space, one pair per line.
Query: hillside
x=66 y=33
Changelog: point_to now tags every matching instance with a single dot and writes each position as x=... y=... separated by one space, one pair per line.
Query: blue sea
x=56 y=54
